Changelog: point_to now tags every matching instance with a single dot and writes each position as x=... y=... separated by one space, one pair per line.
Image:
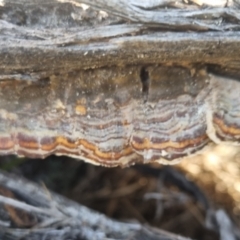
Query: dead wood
x=30 y=211
x=39 y=38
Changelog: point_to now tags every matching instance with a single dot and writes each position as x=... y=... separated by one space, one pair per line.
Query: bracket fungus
x=119 y=116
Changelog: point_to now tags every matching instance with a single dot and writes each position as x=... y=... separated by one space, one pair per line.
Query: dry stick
x=77 y=219
x=29 y=208
x=139 y=12
x=145 y=12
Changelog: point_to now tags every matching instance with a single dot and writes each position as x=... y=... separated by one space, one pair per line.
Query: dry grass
x=217 y=172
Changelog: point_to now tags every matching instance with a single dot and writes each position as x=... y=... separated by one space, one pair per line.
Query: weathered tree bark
x=36 y=42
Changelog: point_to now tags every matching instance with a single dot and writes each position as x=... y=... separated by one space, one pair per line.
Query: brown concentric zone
x=226 y=131
x=40 y=148
x=6 y=144
x=170 y=150
x=142 y=144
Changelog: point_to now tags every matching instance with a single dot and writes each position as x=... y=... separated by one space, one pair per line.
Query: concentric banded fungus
x=119 y=116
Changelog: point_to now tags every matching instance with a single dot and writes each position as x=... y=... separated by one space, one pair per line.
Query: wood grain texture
x=119 y=116
x=63 y=36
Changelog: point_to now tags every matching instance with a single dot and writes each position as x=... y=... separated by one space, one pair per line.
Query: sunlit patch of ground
x=217 y=171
